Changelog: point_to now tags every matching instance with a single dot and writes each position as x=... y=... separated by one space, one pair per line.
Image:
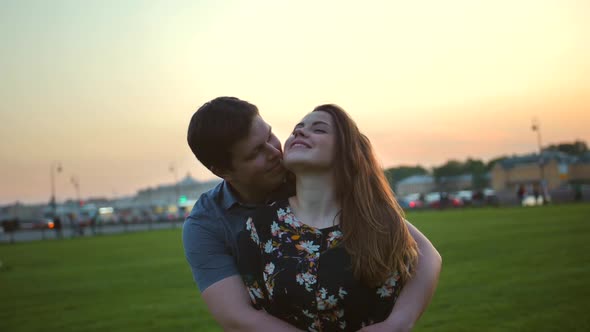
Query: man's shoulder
x=204 y=219
x=207 y=201
x=206 y=209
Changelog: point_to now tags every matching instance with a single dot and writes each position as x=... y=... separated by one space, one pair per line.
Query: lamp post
x=173 y=171
x=76 y=183
x=537 y=127
x=176 y=189
x=55 y=167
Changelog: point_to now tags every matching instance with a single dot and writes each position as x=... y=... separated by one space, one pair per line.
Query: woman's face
x=311 y=145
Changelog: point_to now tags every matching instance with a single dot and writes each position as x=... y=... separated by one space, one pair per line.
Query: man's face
x=257 y=161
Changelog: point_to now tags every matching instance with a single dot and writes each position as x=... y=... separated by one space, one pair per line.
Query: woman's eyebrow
x=300 y=124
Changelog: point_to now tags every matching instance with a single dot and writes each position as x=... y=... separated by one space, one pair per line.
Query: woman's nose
x=298 y=132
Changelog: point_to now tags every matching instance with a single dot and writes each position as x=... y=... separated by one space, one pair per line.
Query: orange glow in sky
x=108 y=87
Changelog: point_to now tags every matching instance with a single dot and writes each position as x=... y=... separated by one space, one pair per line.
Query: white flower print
x=281 y=214
x=342 y=292
x=323 y=293
x=309 y=278
x=255 y=293
x=334 y=235
x=309 y=314
x=314 y=327
x=274 y=228
x=392 y=281
x=299 y=279
x=332 y=301
x=269 y=268
x=288 y=217
x=268 y=247
x=252 y=229
x=308 y=246
x=384 y=291
x=290 y=220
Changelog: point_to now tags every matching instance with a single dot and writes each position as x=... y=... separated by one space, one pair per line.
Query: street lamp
x=55 y=167
x=76 y=183
x=537 y=127
x=173 y=171
x=176 y=189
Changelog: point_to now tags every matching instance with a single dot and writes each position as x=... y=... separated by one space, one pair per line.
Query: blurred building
x=424 y=184
x=455 y=183
x=416 y=184
x=186 y=190
x=163 y=198
x=579 y=171
x=561 y=172
x=20 y=211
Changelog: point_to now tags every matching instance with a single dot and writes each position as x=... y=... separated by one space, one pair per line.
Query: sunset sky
x=108 y=87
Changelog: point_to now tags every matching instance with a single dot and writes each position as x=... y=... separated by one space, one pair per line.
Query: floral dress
x=303 y=275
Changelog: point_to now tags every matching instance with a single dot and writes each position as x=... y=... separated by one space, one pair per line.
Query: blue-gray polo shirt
x=209 y=235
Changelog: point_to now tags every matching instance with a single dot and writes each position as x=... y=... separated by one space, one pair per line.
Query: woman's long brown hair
x=372 y=222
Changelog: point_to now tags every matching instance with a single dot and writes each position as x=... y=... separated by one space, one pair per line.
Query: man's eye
x=254 y=154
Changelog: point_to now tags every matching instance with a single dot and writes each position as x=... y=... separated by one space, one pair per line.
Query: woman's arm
x=417 y=292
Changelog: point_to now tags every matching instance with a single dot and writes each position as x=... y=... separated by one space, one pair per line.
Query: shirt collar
x=229 y=199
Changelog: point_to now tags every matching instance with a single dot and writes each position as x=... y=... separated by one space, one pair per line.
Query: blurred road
x=68 y=232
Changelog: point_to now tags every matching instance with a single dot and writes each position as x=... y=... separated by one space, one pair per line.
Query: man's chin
x=276 y=178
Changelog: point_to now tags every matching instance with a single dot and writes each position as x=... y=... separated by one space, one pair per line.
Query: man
x=229 y=137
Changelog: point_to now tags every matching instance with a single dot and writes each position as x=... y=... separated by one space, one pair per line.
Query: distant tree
x=576 y=148
x=450 y=168
x=493 y=162
x=478 y=169
x=474 y=167
x=395 y=174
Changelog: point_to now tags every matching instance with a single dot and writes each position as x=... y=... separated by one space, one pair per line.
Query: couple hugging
x=305 y=237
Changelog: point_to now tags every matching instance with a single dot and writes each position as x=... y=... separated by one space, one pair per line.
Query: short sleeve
x=206 y=251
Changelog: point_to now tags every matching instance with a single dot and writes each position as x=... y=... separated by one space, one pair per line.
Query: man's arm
x=417 y=292
x=222 y=289
x=229 y=303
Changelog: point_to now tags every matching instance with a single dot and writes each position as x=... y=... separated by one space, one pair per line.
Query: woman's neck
x=315 y=203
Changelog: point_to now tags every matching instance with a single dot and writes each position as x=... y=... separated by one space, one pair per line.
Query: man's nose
x=273 y=151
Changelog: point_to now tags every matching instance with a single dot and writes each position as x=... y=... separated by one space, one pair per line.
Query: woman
x=335 y=256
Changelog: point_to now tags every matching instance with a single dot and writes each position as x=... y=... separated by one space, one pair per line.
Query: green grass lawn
x=508 y=269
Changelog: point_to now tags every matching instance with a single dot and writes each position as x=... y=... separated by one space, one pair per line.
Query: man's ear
x=222 y=173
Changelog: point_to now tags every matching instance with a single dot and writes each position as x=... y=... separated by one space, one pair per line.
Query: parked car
x=485 y=197
x=438 y=200
x=37 y=223
x=411 y=201
x=466 y=196
x=530 y=200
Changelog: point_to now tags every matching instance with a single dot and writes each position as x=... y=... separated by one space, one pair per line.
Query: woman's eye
x=319 y=131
